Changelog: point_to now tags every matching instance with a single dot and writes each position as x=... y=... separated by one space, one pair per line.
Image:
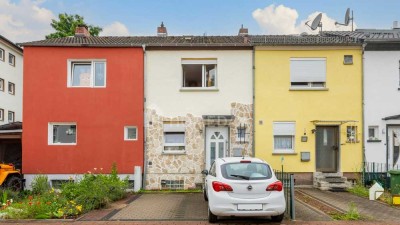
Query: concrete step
x=320 y=174
x=333 y=179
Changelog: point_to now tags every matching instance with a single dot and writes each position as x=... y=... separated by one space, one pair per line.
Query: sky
x=29 y=20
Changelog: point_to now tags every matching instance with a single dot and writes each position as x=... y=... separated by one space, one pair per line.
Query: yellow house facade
x=308 y=105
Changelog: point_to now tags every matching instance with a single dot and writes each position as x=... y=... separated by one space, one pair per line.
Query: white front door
x=394 y=146
x=216 y=144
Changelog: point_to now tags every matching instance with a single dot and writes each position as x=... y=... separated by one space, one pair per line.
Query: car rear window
x=246 y=171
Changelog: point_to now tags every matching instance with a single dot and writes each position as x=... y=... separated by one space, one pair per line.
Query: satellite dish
x=347 y=19
x=316 y=22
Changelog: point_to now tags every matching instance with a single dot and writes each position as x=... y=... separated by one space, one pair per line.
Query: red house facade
x=82 y=107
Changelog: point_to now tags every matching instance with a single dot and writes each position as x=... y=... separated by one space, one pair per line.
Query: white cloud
x=115 y=29
x=283 y=20
x=25 y=20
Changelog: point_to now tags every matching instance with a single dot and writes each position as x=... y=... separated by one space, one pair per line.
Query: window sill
x=374 y=140
x=66 y=144
x=284 y=153
x=174 y=153
x=198 y=89
x=308 y=89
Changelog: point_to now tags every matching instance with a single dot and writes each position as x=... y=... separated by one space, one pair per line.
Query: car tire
x=211 y=217
x=277 y=218
x=205 y=195
x=14 y=183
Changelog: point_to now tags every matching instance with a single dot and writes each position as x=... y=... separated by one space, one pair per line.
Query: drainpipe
x=363 y=104
x=254 y=101
x=145 y=120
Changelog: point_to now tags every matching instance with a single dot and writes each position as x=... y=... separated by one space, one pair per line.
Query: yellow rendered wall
x=275 y=102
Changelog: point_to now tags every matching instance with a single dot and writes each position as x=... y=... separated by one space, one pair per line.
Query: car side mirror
x=204 y=172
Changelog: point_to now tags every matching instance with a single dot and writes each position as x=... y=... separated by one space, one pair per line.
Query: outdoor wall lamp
x=313 y=131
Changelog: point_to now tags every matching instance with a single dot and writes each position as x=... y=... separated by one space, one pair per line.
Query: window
x=1 y=84
x=1 y=114
x=373 y=133
x=57 y=184
x=87 y=74
x=308 y=72
x=199 y=73
x=130 y=133
x=246 y=171
x=284 y=133
x=11 y=116
x=351 y=134
x=348 y=60
x=11 y=88
x=174 y=138
x=11 y=59
x=62 y=134
x=1 y=54
x=172 y=184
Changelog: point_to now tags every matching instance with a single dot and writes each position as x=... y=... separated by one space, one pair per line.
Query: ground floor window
x=174 y=137
x=62 y=133
x=284 y=136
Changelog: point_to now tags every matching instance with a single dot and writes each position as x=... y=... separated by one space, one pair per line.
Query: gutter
x=363 y=103
x=10 y=131
x=145 y=120
x=254 y=101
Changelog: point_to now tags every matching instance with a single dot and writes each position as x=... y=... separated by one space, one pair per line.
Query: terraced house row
x=172 y=104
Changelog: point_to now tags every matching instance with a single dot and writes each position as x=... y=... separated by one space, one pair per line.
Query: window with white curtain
x=284 y=136
x=174 y=138
x=307 y=72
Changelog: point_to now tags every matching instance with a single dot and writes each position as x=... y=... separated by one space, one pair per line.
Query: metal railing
x=377 y=172
x=288 y=183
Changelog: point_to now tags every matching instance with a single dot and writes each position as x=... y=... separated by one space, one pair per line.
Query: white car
x=243 y=186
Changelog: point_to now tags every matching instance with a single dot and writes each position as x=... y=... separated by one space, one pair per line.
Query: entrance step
x=331 y=181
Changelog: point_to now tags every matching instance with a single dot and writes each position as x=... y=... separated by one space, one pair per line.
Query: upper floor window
x=1 y=54
x=11 y=88
x=1 y=114
x=284 y=133
x=308 y=72
x=199 y=73
x=11 y=59
x=130 y=133
x=1 y=84
x=62 y=134
x=87 y=73
x=11 y=116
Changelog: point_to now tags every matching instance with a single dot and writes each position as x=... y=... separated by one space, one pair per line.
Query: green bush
x=40 y=184
x=96 y=191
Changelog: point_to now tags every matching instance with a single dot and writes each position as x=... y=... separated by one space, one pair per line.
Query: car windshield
x=246 y=171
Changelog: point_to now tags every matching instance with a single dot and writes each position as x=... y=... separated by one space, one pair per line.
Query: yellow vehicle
x=10 y=177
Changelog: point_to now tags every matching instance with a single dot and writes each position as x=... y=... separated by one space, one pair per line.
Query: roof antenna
x=316 y=23
x=347 y=19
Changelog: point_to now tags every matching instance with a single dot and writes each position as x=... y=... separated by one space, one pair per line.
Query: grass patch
x=170 y=191
x=352 y=214
x=359 y=190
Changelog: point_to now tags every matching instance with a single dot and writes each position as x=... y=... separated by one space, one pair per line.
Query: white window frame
x=291 y=132
x=376 y=133
x=202 y=62
x=11 y=91
x=174 y=128
x=1 y=114
x=50 y=133
x=11 y=118
x=309 y=84
x=11 y=56
x=92 y=62
x=2 y=82
x=126 y=128
x=2 y=54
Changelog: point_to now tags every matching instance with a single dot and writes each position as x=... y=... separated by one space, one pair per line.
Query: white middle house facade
x=199 y=108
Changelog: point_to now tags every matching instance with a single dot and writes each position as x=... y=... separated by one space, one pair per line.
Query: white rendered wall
x=11 y=74
x=163 y=83
x=382 y=98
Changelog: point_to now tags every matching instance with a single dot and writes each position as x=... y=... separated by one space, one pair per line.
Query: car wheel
x=277 y=218
x=211 y=217
x=205 y=195
x=14 y=183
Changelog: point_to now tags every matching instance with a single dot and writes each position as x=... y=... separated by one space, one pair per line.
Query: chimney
x=396 y=25
x=161 y=30
x=243 y=31
x=82 y=31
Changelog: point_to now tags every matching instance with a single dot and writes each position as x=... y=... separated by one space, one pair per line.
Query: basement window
x=57 y=184
x=172 y=184
x=199 y=73
x=87 y=73
x=62 y=134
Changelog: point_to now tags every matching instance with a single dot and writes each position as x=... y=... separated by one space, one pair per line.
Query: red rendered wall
x=100 y=113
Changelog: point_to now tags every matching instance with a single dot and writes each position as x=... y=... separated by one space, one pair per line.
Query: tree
x=66 y=25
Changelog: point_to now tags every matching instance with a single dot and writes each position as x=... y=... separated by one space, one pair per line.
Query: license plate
x=249 y=207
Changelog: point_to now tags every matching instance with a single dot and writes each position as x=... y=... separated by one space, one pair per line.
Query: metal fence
x=377 y=172
x=288 y=184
